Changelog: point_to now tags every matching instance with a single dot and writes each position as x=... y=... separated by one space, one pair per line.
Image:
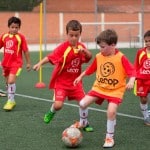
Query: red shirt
x=130 y=70
x=142 y=64
x=13 y=47
x=68 y=68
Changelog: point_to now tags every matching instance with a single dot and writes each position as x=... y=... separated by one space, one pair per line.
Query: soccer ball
x=72 y=137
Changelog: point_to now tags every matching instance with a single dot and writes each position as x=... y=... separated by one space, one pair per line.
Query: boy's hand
x=77 y=80
x=28 y=67
x=36 y=67
x=130 y=84
x=81 y=50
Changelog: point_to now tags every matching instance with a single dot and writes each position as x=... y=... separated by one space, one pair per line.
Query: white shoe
x=109 y=142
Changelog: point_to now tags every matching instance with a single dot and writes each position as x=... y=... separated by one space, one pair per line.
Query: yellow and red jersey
x=68 y=64
x=111 y=74
x=142 y=64
x=13 y=45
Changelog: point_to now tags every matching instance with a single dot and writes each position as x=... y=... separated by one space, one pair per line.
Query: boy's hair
x=147 y=33
x=74 y=25
x=108 y=36
x=14 y=20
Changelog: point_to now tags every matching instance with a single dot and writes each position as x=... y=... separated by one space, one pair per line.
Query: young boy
x=112 y=68
x=68 y=58
x=142 y=84
x=14 y=44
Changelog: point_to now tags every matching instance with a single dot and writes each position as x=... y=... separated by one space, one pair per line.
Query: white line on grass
x=73 y=105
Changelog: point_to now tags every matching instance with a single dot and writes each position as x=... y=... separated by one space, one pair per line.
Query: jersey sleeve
x=56 y=56
x=84 y=58
x=140 y=57
x=1 y=41
x=129 y=67
x=24 y=44
x=92 y=68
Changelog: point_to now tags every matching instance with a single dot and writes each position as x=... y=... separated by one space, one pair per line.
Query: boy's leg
x=83 y=111
x=111 y=123
x=10 y=104
x=144 y=110
x=84 y=120
x=50 y=114
x=109 y=140
x=59 y=98
x=143 y=94
x=10 y=76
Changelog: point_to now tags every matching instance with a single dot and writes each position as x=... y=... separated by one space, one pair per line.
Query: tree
x=18 y=5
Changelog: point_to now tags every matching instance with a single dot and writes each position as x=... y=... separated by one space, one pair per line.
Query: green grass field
x=24 y=129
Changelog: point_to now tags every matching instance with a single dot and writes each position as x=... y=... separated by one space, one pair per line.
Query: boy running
x=14 y=44
x=68 y=58
x=142 y=84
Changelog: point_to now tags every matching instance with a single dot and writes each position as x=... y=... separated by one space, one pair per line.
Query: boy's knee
x=82 y=104
x=111 y=114
x=58 y=106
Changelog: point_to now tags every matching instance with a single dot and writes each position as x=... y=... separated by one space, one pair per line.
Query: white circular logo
x=9 y=44
x=75 y=62
x=146 y=64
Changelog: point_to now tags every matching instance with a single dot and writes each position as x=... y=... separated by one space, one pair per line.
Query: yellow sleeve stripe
x=140 y=57
x=19 y=42
x=4 y=36
x=65 y=56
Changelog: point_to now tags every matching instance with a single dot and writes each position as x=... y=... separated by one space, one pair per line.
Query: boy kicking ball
x=68 y=58
x=112 y=68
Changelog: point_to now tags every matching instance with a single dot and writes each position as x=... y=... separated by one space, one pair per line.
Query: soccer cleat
x=109 y=142
x=147 y=121
x=87 y=128
x=9 y=105
x=48 y=116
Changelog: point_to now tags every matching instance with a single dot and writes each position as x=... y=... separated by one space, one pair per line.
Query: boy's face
x=14 y=28
x=147 y=42
x=106 y=49
x=73 y=37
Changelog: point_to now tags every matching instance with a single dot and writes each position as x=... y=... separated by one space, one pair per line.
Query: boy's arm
x=131 y=72
x=28 y=62
x=89 y=70
x=86 y=52
x=37 y=66
x=79 y=78
x=130 y=83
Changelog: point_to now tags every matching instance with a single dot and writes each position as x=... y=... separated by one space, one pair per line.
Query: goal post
x=129 y=33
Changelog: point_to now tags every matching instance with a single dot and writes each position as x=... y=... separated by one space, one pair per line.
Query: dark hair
x=73 y=25
x=147 y=33
x=14 y=20
x=108 y=36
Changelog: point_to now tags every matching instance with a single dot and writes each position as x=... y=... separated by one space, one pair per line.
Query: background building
x=128 y=18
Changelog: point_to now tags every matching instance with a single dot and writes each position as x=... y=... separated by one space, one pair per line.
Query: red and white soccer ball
x=72 y=137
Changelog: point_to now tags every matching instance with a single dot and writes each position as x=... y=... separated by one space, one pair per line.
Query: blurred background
x=129 y=18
